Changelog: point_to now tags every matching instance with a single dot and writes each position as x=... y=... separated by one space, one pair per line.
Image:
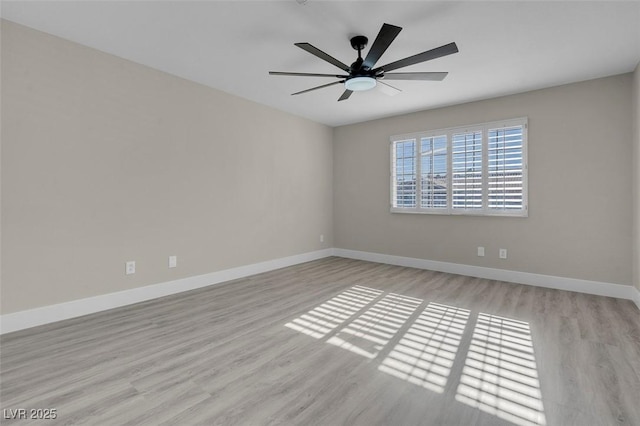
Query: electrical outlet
x=130 y=267
x=503 y=253
x=173 y=261
x=322 y=238
x=481 y=251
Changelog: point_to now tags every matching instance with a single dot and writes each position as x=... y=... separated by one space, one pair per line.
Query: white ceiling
x=505 y=47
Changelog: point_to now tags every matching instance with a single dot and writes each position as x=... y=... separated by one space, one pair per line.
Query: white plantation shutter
x=466 y=170
x=433 y=176
x=505 y=168
x=477 y=170
x=404 y=174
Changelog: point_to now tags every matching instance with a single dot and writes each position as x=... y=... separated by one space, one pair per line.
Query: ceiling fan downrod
x=358 y=43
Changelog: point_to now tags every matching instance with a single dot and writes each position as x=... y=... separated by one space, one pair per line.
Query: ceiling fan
x=362 y=75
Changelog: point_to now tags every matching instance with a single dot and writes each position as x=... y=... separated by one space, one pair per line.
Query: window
x=478 y=170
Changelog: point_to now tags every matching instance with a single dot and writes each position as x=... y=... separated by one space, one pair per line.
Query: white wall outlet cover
x=480 y=251
x=173 y=261
x=503 y=253
x=130 y=267
x=322 y=238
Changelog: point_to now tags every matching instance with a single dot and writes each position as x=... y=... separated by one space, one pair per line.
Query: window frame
x=449 y=132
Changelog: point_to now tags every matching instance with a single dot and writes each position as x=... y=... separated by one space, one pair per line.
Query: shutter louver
x=466 y=170
x=505 y=168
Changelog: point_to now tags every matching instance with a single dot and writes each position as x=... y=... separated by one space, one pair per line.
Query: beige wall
x=579 y=223
x=636 y=178
x=105 y=161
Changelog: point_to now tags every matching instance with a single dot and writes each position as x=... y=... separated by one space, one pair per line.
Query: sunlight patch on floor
x=425 y=353
x=322 y=319
x=370 y=332
x=500 y=375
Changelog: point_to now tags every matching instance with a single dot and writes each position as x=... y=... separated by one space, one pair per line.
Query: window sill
x=461 y=213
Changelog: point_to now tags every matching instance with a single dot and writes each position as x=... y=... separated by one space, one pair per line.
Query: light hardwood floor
x=336 y=342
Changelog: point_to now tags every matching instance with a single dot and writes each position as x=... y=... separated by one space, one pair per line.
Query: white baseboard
x=560 y=283
x=76 y=308
x=636 y=297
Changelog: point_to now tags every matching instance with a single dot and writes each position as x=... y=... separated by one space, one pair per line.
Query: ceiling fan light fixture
x=359 y=84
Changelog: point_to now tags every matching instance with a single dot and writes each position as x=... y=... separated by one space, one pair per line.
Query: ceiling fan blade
x=388 y=89
x=306 y=74
x=324 y=56
x=318 y=87
x=424 y=76
x=438 y=52
x=345 y=95
x=385 y=37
